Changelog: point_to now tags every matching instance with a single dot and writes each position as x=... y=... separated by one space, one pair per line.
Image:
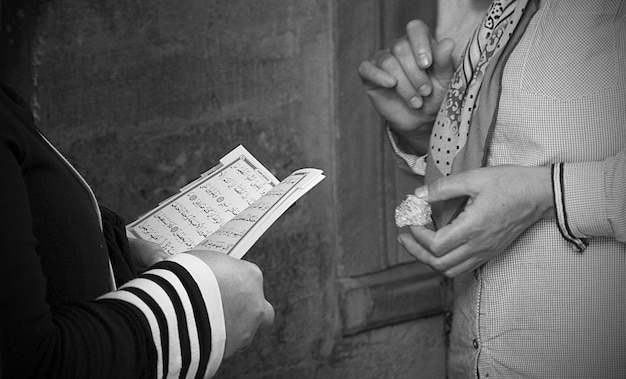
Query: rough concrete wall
x=143 y=96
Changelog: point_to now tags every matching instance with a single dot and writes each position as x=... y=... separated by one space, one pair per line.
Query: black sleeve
x=159 y=323
x=90 y=340
x=114 y=230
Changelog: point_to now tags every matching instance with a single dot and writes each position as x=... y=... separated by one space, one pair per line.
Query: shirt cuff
x=415 y=164
x=579 y=201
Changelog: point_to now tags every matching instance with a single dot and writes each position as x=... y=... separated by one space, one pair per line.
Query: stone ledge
x=395 y=295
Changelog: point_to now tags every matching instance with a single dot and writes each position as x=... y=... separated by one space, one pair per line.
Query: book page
x=204 y=205
x=241 y=232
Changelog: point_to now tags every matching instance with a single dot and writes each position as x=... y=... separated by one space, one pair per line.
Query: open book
x=227 y=209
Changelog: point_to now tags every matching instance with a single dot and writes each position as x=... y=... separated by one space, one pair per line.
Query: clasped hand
x=503 y=201
x=407 y=82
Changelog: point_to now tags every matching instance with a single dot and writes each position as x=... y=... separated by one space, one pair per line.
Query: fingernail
x=424 y=60
x=416 y=102
x=401 y=241
x=421 y=192
x=425 y=90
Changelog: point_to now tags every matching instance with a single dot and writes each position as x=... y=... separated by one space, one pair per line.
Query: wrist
x=547 y=191
x=414 y=139
x=538 y=185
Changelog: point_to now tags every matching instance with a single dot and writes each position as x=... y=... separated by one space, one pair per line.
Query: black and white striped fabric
x=180 y=300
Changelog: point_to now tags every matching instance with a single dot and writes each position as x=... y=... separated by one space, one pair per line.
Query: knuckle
x=400 y=47
x=438 y=266
x=436 y=248
x=254 y=271
x=380 y=56
x=386 y=62
x=449 y=274
x=269 y=313
x=435 y=186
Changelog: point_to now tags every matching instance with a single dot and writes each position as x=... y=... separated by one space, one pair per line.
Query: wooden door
x=380 y=284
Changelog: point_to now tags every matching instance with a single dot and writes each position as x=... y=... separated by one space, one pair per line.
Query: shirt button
x=475 y=343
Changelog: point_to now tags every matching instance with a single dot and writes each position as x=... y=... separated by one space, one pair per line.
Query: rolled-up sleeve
x=590 y=199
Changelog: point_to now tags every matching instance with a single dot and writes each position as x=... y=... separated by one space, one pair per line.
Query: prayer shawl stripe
x=207 y=282
x=136 y=317
x=162 y=322
x=150 y=317
x=165 y=302
x=194 y=345
x=181 y=320
x=200 y=309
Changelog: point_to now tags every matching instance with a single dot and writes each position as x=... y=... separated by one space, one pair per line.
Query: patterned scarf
x=462 y=131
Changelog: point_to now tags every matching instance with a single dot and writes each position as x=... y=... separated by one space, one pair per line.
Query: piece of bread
x=413 y=211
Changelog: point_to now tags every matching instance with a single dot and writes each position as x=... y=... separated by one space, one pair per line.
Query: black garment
x=54 y=263
x=59 y=317
x=114 y=230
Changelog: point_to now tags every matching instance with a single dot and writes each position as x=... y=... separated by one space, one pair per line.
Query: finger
x=468 y=265
x=153 y=259
x=158 y=252
x=434 y=242
x=146 y=253
x=418 y=251
x=268 y=314
x=418 y=35
x=441 y=264
x=443 y=66
x=448 y=187
x=447 y=239
x=404 y=87
x=402 y=49
x=393 y=108
x=422 y=254
x=373 y=77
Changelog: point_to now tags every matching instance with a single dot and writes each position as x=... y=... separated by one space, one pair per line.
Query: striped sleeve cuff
x=563 y=219
x=180 y=299
x=416 y=164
